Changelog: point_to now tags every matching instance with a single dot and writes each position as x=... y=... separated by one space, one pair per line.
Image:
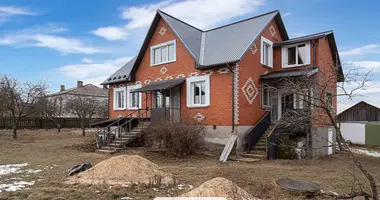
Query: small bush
x=286 y=147
x=178 y=138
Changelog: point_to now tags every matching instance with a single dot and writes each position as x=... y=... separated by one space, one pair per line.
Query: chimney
x=62 y=88
x=80 y=84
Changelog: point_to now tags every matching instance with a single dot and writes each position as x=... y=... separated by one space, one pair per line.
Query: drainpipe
x=233 y=98
x=108 y=101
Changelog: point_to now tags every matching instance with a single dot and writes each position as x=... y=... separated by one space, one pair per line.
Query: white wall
x=354 y=132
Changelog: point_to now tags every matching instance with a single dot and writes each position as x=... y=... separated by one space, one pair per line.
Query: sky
x=59 y=42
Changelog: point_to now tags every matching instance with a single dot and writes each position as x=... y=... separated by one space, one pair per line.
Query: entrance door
x=167 y=105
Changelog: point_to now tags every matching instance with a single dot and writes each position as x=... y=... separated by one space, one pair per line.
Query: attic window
x=119 y=77
x=296 y=55
x=109 y=79
x=163 y=53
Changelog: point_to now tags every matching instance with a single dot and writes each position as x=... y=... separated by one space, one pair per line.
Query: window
x=265 y=96
x=163 y=53
x=119 y=98
x=198 y=91
x=266 y=52
x=296 y=55
x=134 y=100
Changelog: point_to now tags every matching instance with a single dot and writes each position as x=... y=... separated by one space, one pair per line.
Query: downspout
x=314 y=54
x=108 y=101
x=233 y=98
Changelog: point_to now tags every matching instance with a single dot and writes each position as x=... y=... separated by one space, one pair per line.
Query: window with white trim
x=329 y=99
x=296 y=55
x=198 y=91
x=163 y=53
x=119 y=99
x=266 y=52
x=133 y=99
x=265 y=96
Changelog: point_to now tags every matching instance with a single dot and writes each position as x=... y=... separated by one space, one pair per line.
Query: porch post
x=279 y=106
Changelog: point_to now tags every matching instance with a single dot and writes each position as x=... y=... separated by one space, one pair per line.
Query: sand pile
x=220 y=187
x=124 y=170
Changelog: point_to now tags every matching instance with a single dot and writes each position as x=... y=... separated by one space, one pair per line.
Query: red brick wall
x=326 y=79
x=219 y=111
x=250 y=67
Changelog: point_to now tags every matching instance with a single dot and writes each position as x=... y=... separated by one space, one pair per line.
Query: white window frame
x=152 y=48
x=265 y=41
x=133 y=87
x=189 y=98
x=115 y=91
x=284 y=56
x=265 y=87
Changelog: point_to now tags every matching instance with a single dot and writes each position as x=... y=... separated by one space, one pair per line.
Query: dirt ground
x=54 y=152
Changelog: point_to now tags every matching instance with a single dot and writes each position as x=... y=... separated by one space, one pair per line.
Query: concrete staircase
x=119 y=143
x=260 y=149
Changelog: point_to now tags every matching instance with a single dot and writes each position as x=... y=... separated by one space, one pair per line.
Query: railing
x=271 y=149
x=258 y=131
x=128 y=125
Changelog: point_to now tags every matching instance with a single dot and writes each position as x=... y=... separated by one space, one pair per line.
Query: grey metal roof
x=123 y=74
x=303 y=38
x=85 y=90
x=289 y=73
x=167 y=84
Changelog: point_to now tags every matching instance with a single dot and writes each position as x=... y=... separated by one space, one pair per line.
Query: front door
x=167 y=105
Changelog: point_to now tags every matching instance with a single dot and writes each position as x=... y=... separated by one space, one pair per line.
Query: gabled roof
x=334 y=49
x=222 y=45
x=122 y=74
x=85 y=90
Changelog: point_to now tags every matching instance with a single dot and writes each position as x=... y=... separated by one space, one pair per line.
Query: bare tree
x=19 y=99
x=318 y=93
x=84 y=107
x=52 y=108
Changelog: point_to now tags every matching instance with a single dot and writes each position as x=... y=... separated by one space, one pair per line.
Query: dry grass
x=41 y=148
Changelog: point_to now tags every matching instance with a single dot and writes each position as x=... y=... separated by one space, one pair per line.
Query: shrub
x=178 y=138
x=286 y=147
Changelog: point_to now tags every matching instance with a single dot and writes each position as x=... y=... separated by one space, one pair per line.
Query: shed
x=360 y=112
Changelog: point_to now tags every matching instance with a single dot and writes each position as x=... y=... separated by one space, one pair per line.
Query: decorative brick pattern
x=207 y=72
x=199 y=117
x=137 y=82
x=181 y=76
x=272 y=30
x=223 y=71
x=194 y=74
x=169 y=78
x=236 y=94
x=158 y=79
x=253 y=49
x=163 y=70
x=250 y=90
x=162 y=31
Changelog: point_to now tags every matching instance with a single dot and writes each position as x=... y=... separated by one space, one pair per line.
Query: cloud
x=58 y=43
x=11 y=10
x=94 y=73
x=286 y=14
x=111 y=33
x=86 y=60
x=367 y=65
x=200 y=13
x=363 y=50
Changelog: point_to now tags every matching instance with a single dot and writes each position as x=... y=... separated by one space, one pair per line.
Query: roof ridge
x=242 y=20
x=160 y=11
x=311 y=34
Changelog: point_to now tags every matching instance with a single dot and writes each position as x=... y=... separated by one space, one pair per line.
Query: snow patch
x=366 y=152
x=12 y=168
x=17 y=185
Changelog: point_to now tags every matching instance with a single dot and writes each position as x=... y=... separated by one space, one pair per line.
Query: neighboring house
x=360 y=124
x=88 y=90
x=218 y=77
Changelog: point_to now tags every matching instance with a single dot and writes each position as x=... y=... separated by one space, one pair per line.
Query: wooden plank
x=227 y=149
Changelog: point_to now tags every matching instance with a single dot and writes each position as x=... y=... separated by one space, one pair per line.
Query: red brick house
x=216 y=77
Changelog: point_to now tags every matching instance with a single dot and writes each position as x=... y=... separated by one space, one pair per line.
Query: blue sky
x=62 y=41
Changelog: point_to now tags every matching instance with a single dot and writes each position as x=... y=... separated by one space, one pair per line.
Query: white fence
x=354 y=132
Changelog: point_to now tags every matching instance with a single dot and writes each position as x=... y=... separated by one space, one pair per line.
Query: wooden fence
x=41 y=123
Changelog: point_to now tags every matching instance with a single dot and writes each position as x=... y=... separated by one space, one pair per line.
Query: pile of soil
x=220 y=187
x=124 y=170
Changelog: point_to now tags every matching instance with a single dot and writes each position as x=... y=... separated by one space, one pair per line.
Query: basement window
x=163 y=53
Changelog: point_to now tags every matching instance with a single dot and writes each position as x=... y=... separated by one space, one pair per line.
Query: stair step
x=257 y=152
x=104 y=151
x=246 y=160
x=261 y=148
x=251 y=155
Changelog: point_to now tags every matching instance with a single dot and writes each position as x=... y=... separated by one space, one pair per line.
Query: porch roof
x=289 y=73
x=162 y=85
